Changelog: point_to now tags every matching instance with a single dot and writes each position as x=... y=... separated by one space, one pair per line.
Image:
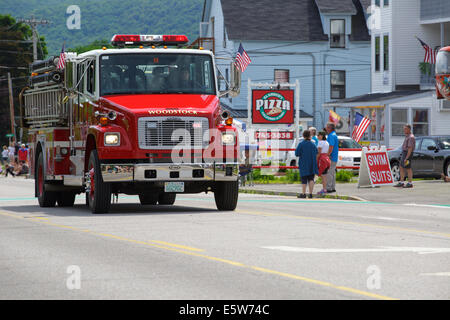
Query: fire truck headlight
x=228 y=138
x=112 y=139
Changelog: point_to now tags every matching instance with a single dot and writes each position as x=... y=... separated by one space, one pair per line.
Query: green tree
x=97 y=44
x=16 y=53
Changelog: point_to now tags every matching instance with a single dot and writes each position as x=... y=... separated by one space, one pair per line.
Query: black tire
x=65 y=199
x=148 y=199
x=226 y=195
x=447 y=168
x=395 y=168
x=99 y=197
x=167 y=198
x=45 y=198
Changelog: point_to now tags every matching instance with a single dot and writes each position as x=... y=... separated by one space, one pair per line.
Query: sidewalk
x=434 y=192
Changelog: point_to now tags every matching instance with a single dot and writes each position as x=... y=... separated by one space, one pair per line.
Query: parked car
x=347 y=158
x=431 y=157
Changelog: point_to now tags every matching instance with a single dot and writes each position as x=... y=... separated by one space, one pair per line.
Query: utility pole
x=33 y=23
x=11 y=106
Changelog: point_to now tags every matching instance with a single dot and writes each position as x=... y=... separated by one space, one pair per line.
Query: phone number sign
x=273 y=106
x=275 y=135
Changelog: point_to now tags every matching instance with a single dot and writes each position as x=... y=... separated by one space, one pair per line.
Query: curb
x=295 y=194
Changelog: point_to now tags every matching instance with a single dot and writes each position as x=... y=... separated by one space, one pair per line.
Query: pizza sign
x=273 y=106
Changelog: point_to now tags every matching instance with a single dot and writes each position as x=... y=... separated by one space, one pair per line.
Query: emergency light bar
x=146 y=39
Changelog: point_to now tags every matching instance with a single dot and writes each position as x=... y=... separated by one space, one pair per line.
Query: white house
x=400 y=92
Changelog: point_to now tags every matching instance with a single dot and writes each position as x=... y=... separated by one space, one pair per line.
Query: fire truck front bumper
x=170 y=172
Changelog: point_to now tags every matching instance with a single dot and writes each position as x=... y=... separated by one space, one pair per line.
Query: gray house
x=324 y=44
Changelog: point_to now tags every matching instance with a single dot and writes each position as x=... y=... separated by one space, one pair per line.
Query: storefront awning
x=374 y=100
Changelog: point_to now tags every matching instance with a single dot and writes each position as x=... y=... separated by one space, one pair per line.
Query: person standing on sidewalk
x=5 y=156
x=11 y=151
x=323 y=160
x=314 y=136
x=23 y=154
x=408 y=146
x=307 y=163
x=333 y=153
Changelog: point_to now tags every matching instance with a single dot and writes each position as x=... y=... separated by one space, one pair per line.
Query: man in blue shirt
x=333 y=153
x=314 y=136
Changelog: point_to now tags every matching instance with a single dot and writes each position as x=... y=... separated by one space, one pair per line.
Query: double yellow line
x=191 y=251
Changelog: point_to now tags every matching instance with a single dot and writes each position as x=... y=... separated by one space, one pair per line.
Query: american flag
x=62 y=59
x=361 y=124
x=430 y=54
x=242 y=59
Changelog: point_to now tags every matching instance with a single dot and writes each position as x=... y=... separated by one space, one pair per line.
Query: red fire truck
x=443 y=74
x=141 y=119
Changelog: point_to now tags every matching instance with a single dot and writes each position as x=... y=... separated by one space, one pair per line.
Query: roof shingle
x=333 y=6
x=287 y=20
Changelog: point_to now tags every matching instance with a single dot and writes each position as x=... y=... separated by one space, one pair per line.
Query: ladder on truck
x=45 y=106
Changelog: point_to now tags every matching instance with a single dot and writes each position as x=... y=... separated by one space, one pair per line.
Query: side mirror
x=432 y=148
x=235 y=82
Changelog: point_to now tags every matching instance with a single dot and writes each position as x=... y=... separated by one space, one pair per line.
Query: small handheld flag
x=242 y=59
x=361 y=124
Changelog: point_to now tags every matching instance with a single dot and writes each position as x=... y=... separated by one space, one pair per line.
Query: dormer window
x=337 y=33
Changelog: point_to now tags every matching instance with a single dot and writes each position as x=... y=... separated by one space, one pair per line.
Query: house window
x=337 y=80
x=377 y=3
x=377 y=53
x=386 y=3
x=386 y=52
x=399 y=119
x=420 y=122
x=281 y=76
x=337 y=33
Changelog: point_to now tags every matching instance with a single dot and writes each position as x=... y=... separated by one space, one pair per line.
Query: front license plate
x=174 y=187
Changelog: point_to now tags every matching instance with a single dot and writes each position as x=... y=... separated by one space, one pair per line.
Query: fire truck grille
x=169 y=132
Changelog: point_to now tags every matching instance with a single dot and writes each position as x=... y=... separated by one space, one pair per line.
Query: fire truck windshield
x=158 y=73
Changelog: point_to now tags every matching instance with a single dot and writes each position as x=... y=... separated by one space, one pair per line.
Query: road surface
x=269 y=248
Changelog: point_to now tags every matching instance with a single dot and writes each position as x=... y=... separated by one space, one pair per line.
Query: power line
x=13 y=67
x=33 y=23
x=22 y=52
x=21 y=41
x=308 y=64
x=309 y=76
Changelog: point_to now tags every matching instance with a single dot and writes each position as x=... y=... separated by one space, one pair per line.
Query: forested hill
x=100 y=19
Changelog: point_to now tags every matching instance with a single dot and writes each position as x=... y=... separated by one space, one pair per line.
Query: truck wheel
x=148 y=199
x=65 y=199
x=167 y=198
x=99 y=193
x=45 y=198
x=226 y=195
